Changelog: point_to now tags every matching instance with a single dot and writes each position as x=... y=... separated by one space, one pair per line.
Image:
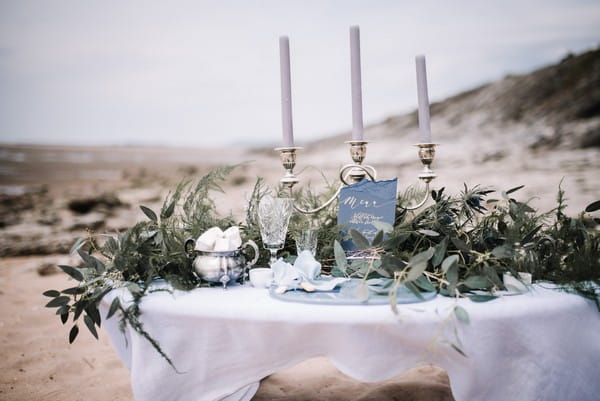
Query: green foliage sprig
x=150 y=250
x=459 y=246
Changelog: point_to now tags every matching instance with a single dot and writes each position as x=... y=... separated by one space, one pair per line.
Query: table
x=542 y=345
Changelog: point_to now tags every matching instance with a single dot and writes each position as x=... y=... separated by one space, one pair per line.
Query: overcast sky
x=207 y=73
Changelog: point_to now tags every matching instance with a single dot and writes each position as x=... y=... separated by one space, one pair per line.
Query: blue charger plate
x=346 y=294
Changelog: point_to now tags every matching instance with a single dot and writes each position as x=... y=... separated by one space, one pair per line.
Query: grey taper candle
x=424 y=127
x=286 y=92
x=355 y=77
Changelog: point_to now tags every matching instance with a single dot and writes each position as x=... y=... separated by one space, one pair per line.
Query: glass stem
x=273 y=258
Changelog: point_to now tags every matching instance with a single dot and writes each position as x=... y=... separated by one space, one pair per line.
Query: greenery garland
x=458 y=246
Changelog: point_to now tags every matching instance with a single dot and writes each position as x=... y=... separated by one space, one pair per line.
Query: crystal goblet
x=273 y=218
x=306 y=240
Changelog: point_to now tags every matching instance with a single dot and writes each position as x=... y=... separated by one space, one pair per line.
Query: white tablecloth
x=543 y=345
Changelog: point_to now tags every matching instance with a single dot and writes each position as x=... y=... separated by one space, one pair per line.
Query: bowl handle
x=188 y=247
x=252 y=244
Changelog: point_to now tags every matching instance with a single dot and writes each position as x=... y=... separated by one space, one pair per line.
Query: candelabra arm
x=421 y=203
x=356 y=173
x=323 y=206
x=426 y=155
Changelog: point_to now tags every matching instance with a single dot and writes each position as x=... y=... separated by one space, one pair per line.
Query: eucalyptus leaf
x=416 y=270
x=414 y=289
x=460 y=244
x=392 y=264
x=87 y=258
x=423 y=283
x=449 y=262
x=383 y=226
x=340 y=257
x=515 y=189
x=422 y=256
x=149 y=213
x=492 y=276
x=114 y=306
x=58 y=301
x=93 y=313
x=62 y=310
x=79 y=306
x=440 y=251
x=458 y=349
x=73 y=334
x=397 y=240
x=90 y=325
x=477 y=282
x=429 y=233
x=362 y=266
x=461 y=314
x=72 y=271
x=74 y=290
x=64 y=317
x=378 y=239
x=418 y=264
x=482 y=298
x=92 y=262
x=382 y=272
x=452 y=277
x=375 y=281
x=359 y=240
x=111 y=245
x=515 y=211
x=51 y=293
x=168 y=211
x=592 y=207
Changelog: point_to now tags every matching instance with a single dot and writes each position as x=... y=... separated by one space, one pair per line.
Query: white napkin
x=303 y=274
x=215 y=240
x=307 y=265
x=234 y=237
x=286 y=275
x=223 y=245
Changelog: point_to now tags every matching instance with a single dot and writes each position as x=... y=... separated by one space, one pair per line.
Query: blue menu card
x=365 y=202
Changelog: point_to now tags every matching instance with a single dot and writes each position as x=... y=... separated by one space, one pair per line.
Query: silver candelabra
x=356 y=172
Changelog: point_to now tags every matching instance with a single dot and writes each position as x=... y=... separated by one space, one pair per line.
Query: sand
x=37 y=361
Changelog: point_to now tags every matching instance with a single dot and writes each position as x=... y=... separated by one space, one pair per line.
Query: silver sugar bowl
x=220 y=266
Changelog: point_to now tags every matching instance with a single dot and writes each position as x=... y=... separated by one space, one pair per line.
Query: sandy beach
x=38 y=363
x=39 y=227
